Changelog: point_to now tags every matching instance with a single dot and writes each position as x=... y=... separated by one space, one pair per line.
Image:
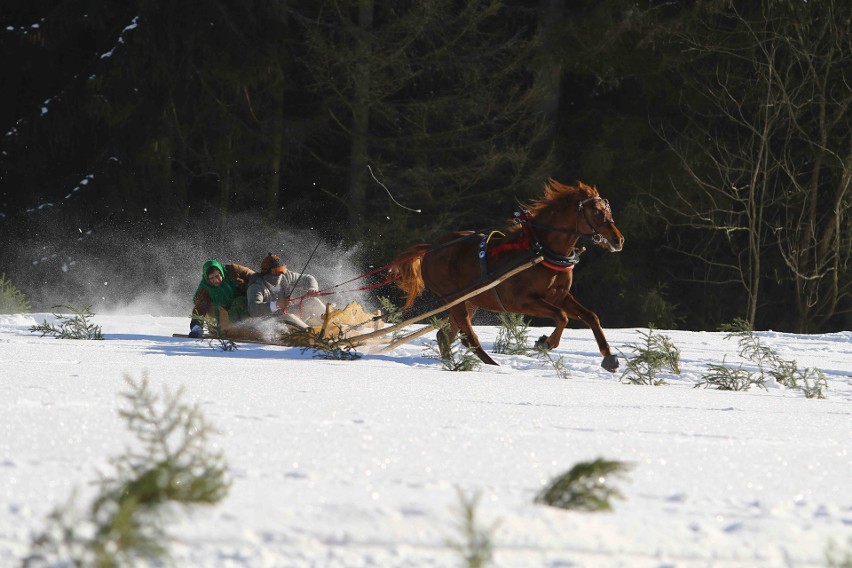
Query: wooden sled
x=339 y=325
x=350 y=321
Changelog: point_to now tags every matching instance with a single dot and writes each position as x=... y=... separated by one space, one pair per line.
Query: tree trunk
x=360 y=122
x=224 y=192
x=547 y=88
x=271 y=204
x=549 y=75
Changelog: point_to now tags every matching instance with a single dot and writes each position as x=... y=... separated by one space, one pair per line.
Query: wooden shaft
x=406 y=338
x=361 y=339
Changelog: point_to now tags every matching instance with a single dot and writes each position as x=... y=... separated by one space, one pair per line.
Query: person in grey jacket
x=270 y=292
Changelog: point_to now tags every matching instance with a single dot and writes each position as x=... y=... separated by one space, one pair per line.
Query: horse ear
x=550 y=188
x=593 y=189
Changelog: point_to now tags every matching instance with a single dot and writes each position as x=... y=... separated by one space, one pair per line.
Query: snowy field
x=359 y=464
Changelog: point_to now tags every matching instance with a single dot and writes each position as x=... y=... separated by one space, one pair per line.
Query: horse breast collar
x=529 y=240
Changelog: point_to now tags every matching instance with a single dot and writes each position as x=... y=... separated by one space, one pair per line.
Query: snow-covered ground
x=359 y=463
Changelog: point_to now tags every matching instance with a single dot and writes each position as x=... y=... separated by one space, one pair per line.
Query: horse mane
x=553 y=191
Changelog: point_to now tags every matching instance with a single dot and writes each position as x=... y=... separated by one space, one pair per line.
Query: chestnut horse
x=550 y=227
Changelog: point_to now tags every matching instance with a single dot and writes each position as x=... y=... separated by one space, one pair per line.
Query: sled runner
x=338 y=325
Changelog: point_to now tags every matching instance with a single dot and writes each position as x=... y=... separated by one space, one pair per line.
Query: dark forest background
x=134 y=131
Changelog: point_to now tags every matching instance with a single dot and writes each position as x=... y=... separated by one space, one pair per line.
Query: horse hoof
x=610 y=363
x=541 y=343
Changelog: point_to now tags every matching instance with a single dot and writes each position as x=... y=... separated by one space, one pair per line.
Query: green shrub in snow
x=811 y=381
x=513 y=339
x=218 y=338
x=728 y=378
x=475 y=544
x=455 y=356
x=74 y=326
x=390 y=313
x=125 y=523
x=658 y=353
x=12 y=300
x=588 y=486
x=512 y=335
x=333 y=348
x=556 y=362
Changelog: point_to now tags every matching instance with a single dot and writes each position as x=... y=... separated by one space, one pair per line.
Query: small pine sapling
x=557 y=362
x=750 y=346
x=811 y=381
x=657 y=353
x=219 y=338
x=125 y=522
x=390 y=313
x=455 y=356
x=475 y=544
x=75 y=326
x=729 y=379
x=814 y=384
x=333 y=348
x=585 y=487
x=513 y=335
x=12 y=300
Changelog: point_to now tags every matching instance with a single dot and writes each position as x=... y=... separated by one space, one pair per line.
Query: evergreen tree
x=438 y=99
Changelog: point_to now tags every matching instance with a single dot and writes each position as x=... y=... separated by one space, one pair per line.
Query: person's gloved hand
x=283 y=304
x=196 y=331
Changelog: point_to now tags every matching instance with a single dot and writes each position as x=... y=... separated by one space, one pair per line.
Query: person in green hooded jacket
x=220 y=287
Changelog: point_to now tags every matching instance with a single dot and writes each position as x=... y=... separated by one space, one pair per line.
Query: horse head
x=594 y=219
x=581 y=212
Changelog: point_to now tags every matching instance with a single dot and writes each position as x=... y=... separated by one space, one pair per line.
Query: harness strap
x=483 y=263
x=530 y=241
x=556 y=267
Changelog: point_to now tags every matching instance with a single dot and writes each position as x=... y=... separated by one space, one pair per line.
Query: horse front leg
x=560 y=320
x=460 y=316
x=576 y=310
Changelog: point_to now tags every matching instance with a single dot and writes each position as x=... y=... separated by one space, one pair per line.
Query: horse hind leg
x=445 y=337
x=460 y=316
x=447 y=333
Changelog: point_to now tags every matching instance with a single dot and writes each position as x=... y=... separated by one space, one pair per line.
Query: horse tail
x=407 y=270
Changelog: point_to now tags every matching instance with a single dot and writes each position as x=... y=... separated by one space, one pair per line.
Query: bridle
x=595 y=236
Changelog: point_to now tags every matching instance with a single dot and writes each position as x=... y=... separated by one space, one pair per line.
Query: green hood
x=222 y=295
